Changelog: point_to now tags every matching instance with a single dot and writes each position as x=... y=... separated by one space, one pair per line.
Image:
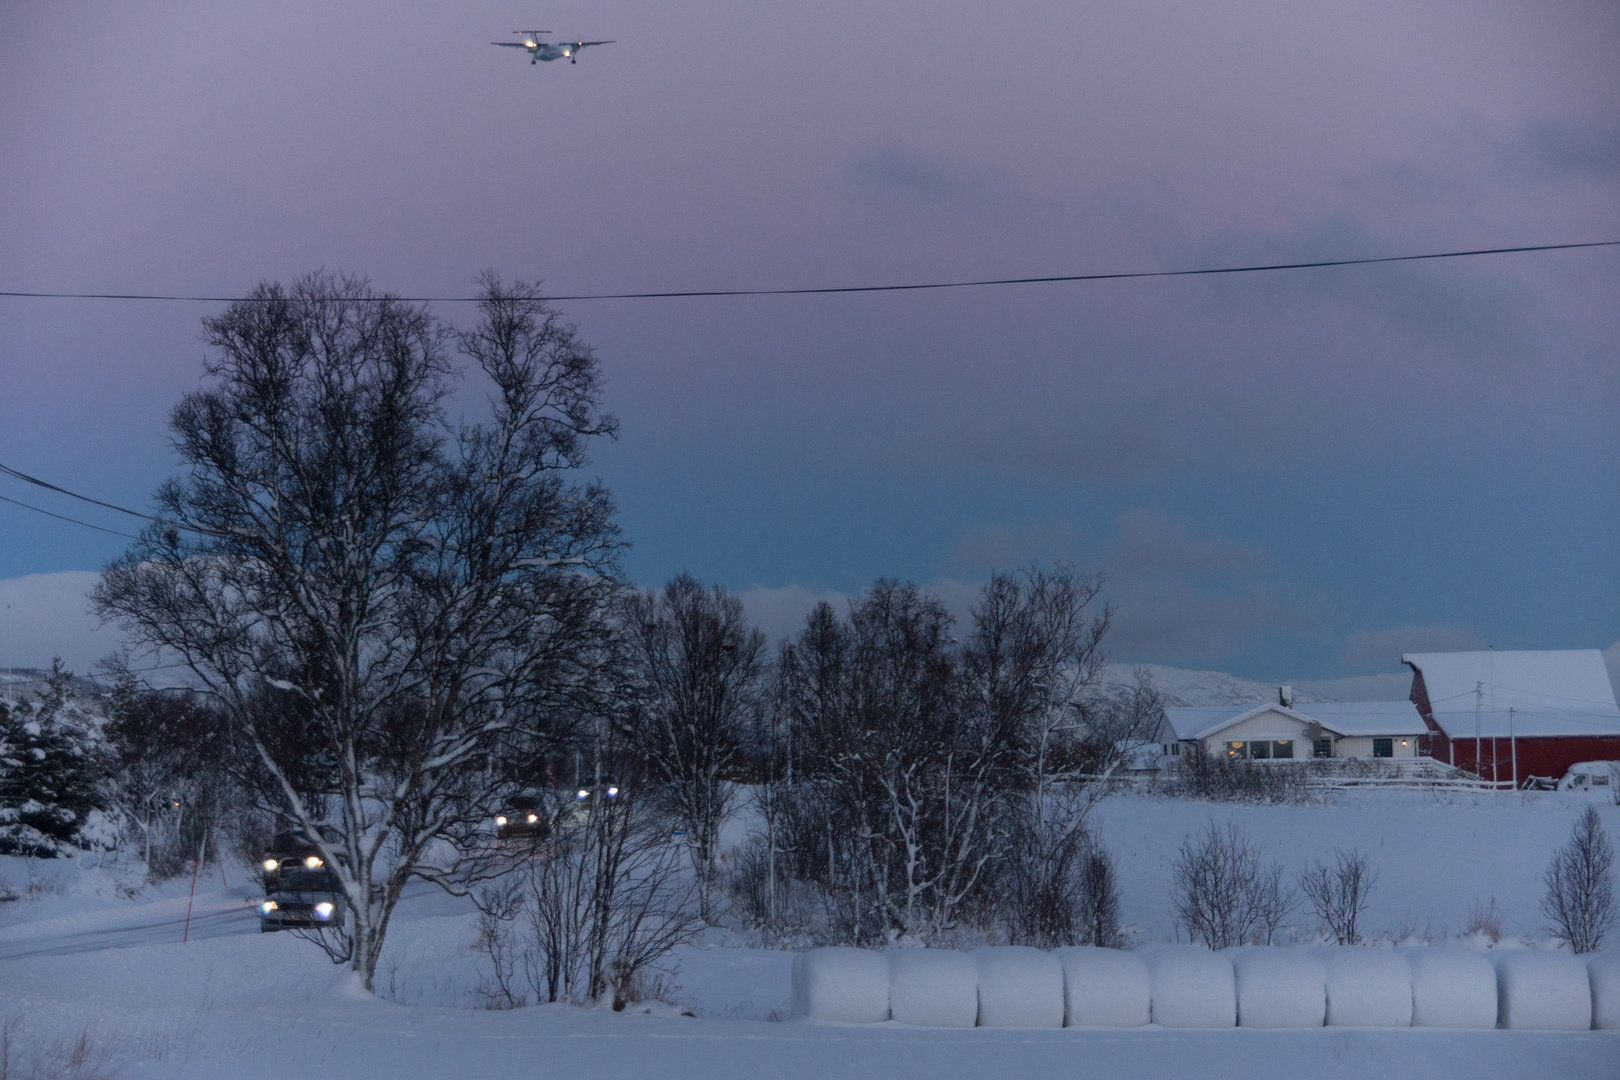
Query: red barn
x=1512 y=715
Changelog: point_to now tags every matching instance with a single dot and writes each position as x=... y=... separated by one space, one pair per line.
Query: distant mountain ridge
x=1184 y=686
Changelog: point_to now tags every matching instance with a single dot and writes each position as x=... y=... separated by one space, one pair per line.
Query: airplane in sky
x=547 y=50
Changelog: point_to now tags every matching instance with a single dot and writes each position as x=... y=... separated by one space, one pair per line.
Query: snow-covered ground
x=81 y=960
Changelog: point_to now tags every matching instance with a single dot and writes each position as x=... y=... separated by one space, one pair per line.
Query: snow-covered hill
x=1184 y=686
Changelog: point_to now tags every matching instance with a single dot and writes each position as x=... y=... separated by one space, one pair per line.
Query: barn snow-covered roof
x=1545 y=693
x=1361 y=718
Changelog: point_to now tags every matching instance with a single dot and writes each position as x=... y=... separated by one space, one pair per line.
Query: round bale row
x=1181 y=986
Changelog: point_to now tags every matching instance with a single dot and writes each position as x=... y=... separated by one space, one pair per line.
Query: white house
x=1336 y=729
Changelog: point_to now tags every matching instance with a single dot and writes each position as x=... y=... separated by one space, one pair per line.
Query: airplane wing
x=510 y=44
x=583 y=44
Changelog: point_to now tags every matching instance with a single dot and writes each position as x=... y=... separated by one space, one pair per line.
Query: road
x=216 y=913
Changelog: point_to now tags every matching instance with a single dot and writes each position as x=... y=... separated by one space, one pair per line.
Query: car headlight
x=500 y=819
x=324 y=909
x=613 y=793
x=582 y=794
x=267 y=907
x=271 y=864
x=533 y=818
x=313 y=861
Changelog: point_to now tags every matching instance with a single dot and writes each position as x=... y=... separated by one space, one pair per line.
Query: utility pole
x=1479 y=702
x=1513 y=743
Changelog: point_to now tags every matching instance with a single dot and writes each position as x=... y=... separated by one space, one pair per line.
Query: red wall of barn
x=1538 y=756
x=1545 y=756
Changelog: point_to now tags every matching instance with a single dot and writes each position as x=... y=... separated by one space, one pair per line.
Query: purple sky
x=1286 y=475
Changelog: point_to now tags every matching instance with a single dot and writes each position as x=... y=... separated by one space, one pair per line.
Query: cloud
x=1132 y=442
x=1107 y=431
x=1186 y=594
x=1473 y=308
x=1390 y=686
x=1560 y=149
x=1151 y=542
x=1179 y=593
x=1004 y=547
x=49 y=617
x=1167 y=621
x=1382 y=648
x=897 y=177
x=780 y=612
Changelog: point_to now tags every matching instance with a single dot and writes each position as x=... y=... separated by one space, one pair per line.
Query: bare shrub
x=1580 y=904
x=605 y=902
x=499 y=904
x=1339 y=893
x=1042 y=883
x=1221 y=892
x=1099 y=900
x=80 y=1057
x=1485 y=920
x=1218 y=778
x=40 y=883
x=780 y=908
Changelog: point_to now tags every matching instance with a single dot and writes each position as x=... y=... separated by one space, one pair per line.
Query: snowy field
x=80 y=961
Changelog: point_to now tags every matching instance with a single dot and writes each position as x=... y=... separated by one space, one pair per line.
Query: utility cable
x=76 y=521
x=7 y=470
x=826 y=290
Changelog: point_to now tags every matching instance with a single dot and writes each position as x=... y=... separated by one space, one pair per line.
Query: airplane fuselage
x=551 y=52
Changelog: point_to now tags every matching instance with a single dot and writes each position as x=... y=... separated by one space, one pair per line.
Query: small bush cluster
x=1213 y=778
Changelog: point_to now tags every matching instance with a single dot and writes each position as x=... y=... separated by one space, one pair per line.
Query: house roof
x=1546 y=693
x=1360 y=718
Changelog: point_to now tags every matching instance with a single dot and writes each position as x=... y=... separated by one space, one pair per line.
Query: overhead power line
x=75 y=521
x=913 y=287
x=7 y=470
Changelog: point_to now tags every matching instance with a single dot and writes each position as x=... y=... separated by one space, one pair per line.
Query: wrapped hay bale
x=846 y=985
x=1451 y=988
x=1604 y=970
x=1542 y=990
x=1019 y=987
x=1367 y=987
x=1191 y=987
x=1278 y=988
x=933 y=988
x=1104 y=988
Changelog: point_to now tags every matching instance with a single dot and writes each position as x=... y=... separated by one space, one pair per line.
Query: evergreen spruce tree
x=48 y=771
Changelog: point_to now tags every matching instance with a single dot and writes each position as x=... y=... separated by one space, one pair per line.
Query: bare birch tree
x=386 y=607
x=1339 y=893
x=1580 y=902
x=698 y=664
x=1223 y=895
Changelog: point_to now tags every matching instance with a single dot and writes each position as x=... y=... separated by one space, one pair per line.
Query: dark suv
x=525 y=817
x=301 y=892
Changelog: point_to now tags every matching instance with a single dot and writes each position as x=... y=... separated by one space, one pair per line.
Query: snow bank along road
x=235 y=1006
x=226 y=1006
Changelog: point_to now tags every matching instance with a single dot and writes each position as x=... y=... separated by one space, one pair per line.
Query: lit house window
x=1261 y=750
